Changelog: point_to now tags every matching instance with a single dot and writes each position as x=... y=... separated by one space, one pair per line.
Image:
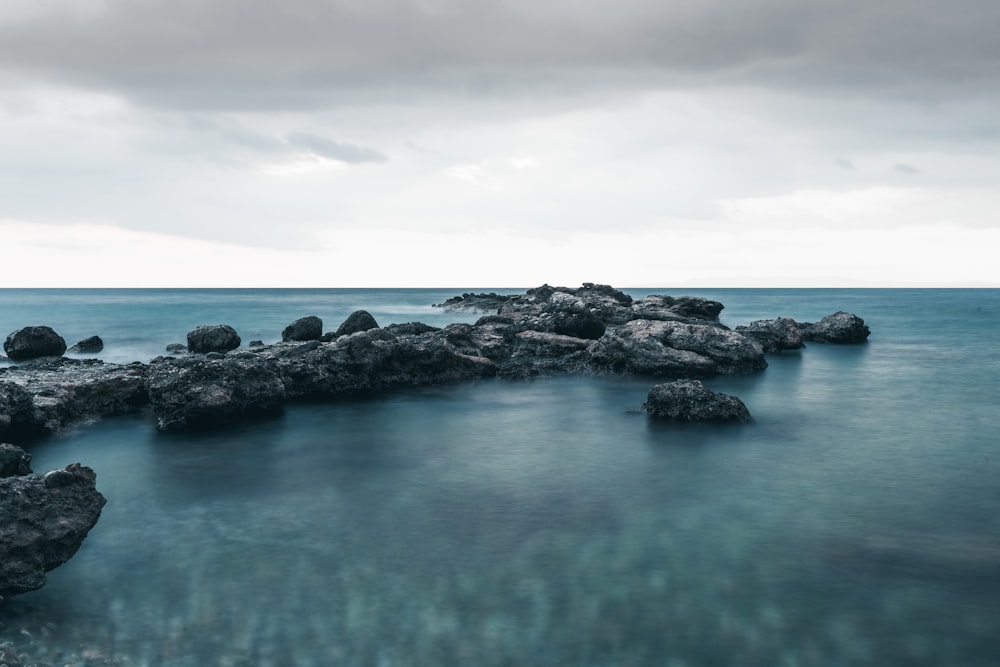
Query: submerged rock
x=33 y=343
x=43 y=521
x=840 y=327
x=212 y=338
x=303 y=329
x=691 y=401
x=88 y=346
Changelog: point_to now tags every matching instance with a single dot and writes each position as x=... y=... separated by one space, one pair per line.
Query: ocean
x=855 y=522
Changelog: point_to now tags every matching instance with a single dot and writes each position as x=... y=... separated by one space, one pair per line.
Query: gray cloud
x=905 y=169
x=335 y=150
x=844 y=163
x=255 y=54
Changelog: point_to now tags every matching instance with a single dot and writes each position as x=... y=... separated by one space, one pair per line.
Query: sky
x=500 y=143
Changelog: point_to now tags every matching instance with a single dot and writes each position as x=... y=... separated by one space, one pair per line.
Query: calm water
x=856 y=522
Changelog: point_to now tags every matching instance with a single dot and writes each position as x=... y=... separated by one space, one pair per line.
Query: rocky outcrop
x=212 y=338
x=691 y=401
x=33 y=343
x=43 y=521
x=840 y=327
x=775 y=335
x=303 y=329
x=359 y=320
x=90 y=345
x=13 y=461
x=487 y=302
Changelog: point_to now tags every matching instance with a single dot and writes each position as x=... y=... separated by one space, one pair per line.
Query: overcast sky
x=475 y=143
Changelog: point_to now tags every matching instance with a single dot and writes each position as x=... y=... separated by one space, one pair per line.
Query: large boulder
x=90 y=345
x=691 y=401
x=840 y=327
x=303 y=329
x=212 y=338
x=359 y=320
x=13 y=461
x=43 y=521
x=775 y=335
x=34 y=342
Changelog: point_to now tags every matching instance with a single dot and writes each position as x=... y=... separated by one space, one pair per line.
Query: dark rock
x=579 y=325
x=774 y=335
x=541 y=353
x=841 y=327
x=303 y=329
x=691 y=401
x=255 y=343
x=684 y=309
x=16 y=409
x=34 y=342
x=88 y=346
x=14 y=461
x=359 y=320
x=410 y=329
x=213 y=338
x=486 y=302
x=176 y=347
x=43 y=521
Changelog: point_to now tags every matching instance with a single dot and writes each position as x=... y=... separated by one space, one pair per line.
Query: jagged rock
x=486 y=302
x=410 y=329
x=16 y=409
x=781 y=333
x=359 y=320
x=43 y=521
x=88 y=346
x=579 y=325
x=212 y=338
x=691 y=401
x=14 y=461
x=840 y=327
x=197 y=391
x=690 y=309
x=676 y=349
x=176 y=347
x=34 y=342
x=537 y=352
x=303 y=329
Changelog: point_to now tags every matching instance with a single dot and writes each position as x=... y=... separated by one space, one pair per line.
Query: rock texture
x=34 y=342
x=359 y=320
x=88 y=346
x=43 y=521
x=212 y=338
x=691 y=401
x=303 y=329
x=774 y=335
x=13 y=461
x=840 y=327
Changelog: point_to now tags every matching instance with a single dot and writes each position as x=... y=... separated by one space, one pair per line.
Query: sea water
x=856 y=521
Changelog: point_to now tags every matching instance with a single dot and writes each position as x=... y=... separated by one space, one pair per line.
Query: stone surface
x=840 y=327
x=303 y=329
x=88 y=346
x=14 y=461
x=359 y=320
x=775 y=335
x=691 y=401
x=33 y=343
x=43 y=521
x=212 y=338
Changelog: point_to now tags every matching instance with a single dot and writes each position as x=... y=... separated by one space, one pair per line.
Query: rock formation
x=34 y=342
x=303 y=329
x=841 y=327
x=691 y=401
x=774 y=335
x=359 y=320
x=88 y=346
x=212 y=338
x=43 y=521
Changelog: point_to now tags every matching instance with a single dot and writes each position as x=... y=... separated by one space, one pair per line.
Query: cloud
x=332 y=149
x=901 y=168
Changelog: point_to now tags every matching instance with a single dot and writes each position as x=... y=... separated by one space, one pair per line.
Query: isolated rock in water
x=13 y=461
x=43 y=521
x=34 y=342
x=303 y=329
x=774 y=335
x=691 y=401
x=359 y=320
x=840 y=327
x=213 y=338
x=88 y=345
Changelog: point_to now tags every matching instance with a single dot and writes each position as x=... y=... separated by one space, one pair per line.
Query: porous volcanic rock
x=840 y=327
x=88 y=346
x=303 y=329
x=212 y=338
x=43 y=521
x=359 y=320
x=691 y=401
x=34 y=342
x=14 y=461
x=775 y=335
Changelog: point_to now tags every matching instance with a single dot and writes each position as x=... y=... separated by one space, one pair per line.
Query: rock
x=541 y=353
x=199 y=392
x=676 y=349
x=14 y=461
x=303 y=329
x=684 y=309
x=774 y=335
x=88 y=346
x=579 y=325
x=34 y=342
x=213 y=338
x=691 y=401
x=43 y=521
x=410 y=329
x=486 y=302
x=840 y=327
x=16 y=409
x=359 y=320
x=176 y=347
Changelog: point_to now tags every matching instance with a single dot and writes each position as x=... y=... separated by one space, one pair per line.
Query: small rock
x=14 y=461
x=841 y=327
x=691 y=401
x=213 y=338
x=88 y=345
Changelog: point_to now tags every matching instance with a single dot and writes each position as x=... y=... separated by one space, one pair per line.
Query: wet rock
x=691 y=401
x=840 y=327
x=684 y=309
x=486 y=302
x=88 y=346
x=537 y=353
x=14 y=461
x=212 y=338
x=16 y=409
x=176 y=347
x=303 y=329
x=43 y=521
x=359 y=320
x=775 y=335
x=33 y=343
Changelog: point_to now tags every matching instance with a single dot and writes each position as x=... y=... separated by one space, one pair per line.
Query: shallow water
x=855 y=522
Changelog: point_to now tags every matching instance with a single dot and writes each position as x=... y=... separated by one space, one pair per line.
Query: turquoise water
x=856 y=522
